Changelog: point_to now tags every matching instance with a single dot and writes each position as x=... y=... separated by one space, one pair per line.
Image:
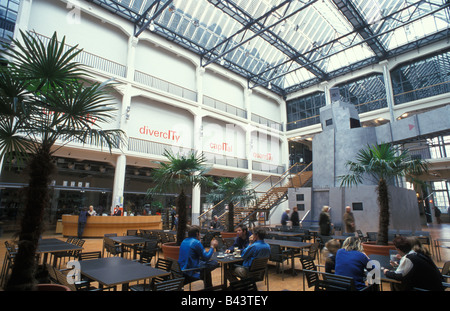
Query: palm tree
x=382 y=163
x=179 y=174
x=44 y=99
x=232 y=192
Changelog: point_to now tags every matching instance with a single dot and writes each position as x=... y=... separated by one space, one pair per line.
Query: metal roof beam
x=140 y=25
x=247 y=25
x=371 y=60
x=347 y=8
x=264 y=32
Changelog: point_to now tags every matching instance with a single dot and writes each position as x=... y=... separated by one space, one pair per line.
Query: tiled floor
x=290 y=282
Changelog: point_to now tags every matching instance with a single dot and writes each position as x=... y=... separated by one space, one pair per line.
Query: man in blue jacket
x=193 y=255
x=256 y=249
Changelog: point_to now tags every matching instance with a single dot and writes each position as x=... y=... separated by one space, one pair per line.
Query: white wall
x=217 y=87
x=265 y=107
x=89 y=33
x=153 y=121
x=223 y=138
x=163 y=64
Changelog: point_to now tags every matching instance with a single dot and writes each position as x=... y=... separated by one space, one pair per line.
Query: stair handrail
x=304 y=216
x=281 y=178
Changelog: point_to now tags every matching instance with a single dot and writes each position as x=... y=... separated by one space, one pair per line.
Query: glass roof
x=287 y=45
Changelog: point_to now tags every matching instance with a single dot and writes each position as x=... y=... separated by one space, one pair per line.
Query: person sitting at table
x=215 y=223
x=415 y=269
x=257 y=248
x=193 y=255
x=242 y=239
x=351 y=261
x=329 y=252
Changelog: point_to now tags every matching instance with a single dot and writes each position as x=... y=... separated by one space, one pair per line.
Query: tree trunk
x=182 y=217
x=383 y=202
x=37 y=199
x=230 y=217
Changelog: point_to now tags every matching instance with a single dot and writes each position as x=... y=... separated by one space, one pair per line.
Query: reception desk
x=98 y=226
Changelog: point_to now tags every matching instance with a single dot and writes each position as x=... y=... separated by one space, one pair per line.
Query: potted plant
x=232 y=191
x=45 y=98
x=179 y=174
x=382 y=163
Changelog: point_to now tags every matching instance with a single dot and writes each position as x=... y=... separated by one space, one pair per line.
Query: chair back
x=311 y=277
x=164 y=264
x=275 y=253
x=132 y=232
x=169 y=285
x=312 y=251
x=89 y=255
x=334 y=282
x=246 y=284
x=62 y=279
x=258 y=268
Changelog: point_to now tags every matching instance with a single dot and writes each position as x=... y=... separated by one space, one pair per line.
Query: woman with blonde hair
x=351 y=261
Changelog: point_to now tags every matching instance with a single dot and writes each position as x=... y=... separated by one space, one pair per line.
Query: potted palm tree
x=45 y=98
x=232 y=191
x=382 y=163
x=179 y=174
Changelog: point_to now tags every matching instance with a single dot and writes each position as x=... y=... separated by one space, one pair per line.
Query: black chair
x=258 y=270
x=148 y=251
x=63 y=279
x=169 y=285
x=178 y=273
x=247 y=284
x=89 y=255
x=132 y=232
x=372 y=236
x=67 y=254
x=163 y=264
x=113 y=248
x=333 y=282
x=312 y=252
x=279 y=256
x=8 y=263
x=312 y=278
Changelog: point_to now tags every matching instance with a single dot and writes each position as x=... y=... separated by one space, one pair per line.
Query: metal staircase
x=298 y=175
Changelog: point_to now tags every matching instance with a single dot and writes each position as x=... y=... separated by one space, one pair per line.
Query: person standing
x=349 y=220
x=82 y=219
x=325 y=221
x=285 y=217
x=295 y=219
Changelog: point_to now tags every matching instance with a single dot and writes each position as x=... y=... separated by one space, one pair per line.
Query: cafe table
x=384 y=263
x=113 y=271
x=290 y=244
x=226 y=261
x=53 y=245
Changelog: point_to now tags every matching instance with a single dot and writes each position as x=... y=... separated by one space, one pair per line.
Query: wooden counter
x=97 y=226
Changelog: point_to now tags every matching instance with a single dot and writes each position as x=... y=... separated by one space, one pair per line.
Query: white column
x=249 y=128
x=389 y=90
x=119 y=181
x=198 y=144
x=196 y=191
x=23 y=17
